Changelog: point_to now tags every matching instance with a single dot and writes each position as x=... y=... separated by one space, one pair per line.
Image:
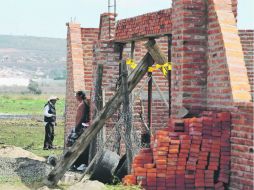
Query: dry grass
x=27 y=104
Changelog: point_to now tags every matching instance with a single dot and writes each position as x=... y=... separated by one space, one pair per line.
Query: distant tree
x=33 y=87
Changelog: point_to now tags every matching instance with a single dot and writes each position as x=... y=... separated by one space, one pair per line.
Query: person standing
x=50 y=122
x=82 y=116
x=81 y=124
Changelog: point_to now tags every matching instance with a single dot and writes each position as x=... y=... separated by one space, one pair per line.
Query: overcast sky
x=48 y=17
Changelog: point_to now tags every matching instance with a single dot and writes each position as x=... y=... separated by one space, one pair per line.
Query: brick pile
x=147 y=25
x=195 y=157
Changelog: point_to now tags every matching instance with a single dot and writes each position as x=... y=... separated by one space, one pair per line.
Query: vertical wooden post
x=131 y=94
x=132 y=49
x=127 y=116
x=117 y=145
x=99 y=101
x=150 y=100
x=169 y=73
x=98 y=107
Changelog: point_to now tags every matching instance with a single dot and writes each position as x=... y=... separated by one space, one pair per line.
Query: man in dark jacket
x=50 y=122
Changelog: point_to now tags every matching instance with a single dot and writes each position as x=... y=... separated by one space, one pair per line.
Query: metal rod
x=169 y=72
x=115 y=7
x=109 y=22
x=108 y=6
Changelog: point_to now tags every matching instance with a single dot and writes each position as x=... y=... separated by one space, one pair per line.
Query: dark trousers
x=49 y=135
x=83 y=158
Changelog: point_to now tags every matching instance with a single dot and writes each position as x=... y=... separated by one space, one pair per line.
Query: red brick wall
x=242 y=143
x=80 y=43
x=107 y=26
x=75 y=69
x=147 y=25
x=89 y=38
x=225 y=59
x=247 y=40
x=227 y=84
x=189 y=55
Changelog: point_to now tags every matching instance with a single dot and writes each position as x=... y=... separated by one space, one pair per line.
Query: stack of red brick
x=146 y=25
x=195 y=157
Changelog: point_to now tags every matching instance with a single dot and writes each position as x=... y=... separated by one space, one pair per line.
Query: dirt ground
x=23 y=170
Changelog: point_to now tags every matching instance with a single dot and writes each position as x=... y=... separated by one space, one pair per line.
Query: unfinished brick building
x=212 y=75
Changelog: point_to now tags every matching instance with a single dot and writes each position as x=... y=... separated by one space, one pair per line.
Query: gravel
x=18 y=164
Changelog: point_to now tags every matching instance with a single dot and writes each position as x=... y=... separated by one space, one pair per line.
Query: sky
x=47 y=18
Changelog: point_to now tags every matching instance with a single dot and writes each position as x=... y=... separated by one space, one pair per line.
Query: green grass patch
x=29 y=135
x=27 y=104
x=123 y=187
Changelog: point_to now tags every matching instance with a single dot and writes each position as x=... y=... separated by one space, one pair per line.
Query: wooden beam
x=83 y=141
x=155 y=52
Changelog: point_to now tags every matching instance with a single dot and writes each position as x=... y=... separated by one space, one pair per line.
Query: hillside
x=32 y=57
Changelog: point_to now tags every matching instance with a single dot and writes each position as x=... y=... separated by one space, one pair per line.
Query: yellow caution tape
x=150 y=69
x=164 y=67
x=131 y=62
x=169 y=66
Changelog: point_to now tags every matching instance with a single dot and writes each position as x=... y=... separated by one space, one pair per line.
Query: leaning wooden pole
x=154 y=50
x=109 y=109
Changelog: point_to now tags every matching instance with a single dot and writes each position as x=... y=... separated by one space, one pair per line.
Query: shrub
x=33 y=87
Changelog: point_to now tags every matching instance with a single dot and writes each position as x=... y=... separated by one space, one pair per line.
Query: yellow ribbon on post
x=164 y=68
x=150 y=69
x=131 y=62
x=169 y=67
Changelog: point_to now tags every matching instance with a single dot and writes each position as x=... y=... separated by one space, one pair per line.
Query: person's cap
x=53 y=98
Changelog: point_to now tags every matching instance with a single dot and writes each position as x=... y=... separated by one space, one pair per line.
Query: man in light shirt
x=50 y=122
